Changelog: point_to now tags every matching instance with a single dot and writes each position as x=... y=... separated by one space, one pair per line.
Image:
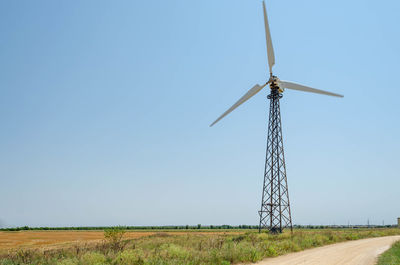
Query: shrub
x=287 y=246
x=352 y=236
x=270 y=251
x=114 y=236
x=318 y=240
x=247 y=252
x=306 y=242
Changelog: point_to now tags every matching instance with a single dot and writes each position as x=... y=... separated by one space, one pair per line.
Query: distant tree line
x=165 y=227
x=188 y=227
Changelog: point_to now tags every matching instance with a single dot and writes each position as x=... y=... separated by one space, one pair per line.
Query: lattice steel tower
x=275 y=207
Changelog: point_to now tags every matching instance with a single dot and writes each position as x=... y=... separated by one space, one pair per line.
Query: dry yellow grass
x=57 y=239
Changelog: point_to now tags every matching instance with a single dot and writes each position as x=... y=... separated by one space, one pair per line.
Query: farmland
x=166 y=247
x=58 y=239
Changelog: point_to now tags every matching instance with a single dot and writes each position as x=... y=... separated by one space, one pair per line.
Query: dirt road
x=358 y=252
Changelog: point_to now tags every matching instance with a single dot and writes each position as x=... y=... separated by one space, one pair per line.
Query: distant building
x=398 y=222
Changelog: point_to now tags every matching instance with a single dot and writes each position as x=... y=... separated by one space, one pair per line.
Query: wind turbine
x=275 y=206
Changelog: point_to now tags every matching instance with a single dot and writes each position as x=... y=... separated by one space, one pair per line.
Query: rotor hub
x=274 y=84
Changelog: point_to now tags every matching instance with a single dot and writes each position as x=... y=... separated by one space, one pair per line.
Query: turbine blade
x=254 y=90
x=294 y=86
x=270 y=48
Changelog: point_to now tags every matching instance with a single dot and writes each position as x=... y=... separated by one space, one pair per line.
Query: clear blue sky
x=105 y=107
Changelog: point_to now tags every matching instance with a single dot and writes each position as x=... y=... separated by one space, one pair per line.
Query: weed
x=129 y=257
x=68 y=262
x=93 y=258
x=391 y=256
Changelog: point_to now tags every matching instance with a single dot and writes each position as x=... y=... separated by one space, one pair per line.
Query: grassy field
x=391 y=257
x=186 y=247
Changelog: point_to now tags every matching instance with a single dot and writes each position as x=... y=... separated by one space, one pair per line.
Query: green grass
x=202 y=248
x=391 y=256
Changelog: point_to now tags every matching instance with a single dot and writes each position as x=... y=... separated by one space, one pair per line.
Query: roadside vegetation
x=391 y=256
x=189 y=248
